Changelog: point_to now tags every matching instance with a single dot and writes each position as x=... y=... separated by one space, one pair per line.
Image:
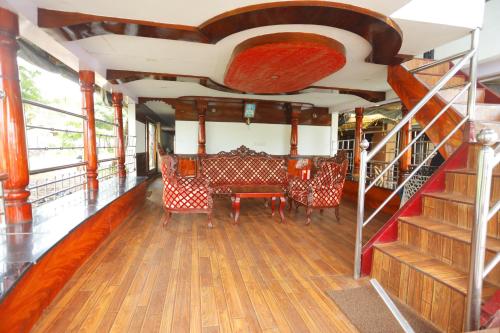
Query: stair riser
x=457 y=213
x=466 y=184
x=473 y=155
x=449 y=94
x=448 y=250
x=440 y=70
x=431 y=80
x=435 y=301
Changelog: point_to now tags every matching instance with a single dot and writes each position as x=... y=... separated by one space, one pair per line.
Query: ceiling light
x=275 y=77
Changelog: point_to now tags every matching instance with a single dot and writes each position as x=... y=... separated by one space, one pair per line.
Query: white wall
x=489 y=44
x=271 y=138
x=131 y=119
x=140 y=132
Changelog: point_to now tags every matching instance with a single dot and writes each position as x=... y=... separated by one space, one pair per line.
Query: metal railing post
x=361 y=208
x=485 y=163
x=471 y=99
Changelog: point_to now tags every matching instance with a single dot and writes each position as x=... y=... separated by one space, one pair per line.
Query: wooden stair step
x=440 y=69
x=435 y=290
x=448 y=230
x=449 y=93
x=432 y=267
x=468 y=171
x=464 y=182
x=448 y=243
x=456 y=209
x=430 y=80
x=484 y=111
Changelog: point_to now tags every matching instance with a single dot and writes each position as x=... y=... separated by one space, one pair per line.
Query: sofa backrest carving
x=243 y=166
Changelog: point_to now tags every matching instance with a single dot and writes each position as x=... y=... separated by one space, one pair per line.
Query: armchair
x=322 y=191
x=184 y=194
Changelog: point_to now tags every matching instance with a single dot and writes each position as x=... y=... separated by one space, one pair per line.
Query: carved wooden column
x=404 y=140
x=120 y=153
x=13 y=151
x=358 y=136
x=87 y=80
x=201 y=107
x=294 y=135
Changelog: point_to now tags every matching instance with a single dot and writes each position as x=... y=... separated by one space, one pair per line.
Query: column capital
x=9 y=24
x=117 y=98
x=201 y=107
x=359 y=112
x=87 y=80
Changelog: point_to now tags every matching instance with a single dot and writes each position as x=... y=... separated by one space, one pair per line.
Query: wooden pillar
x=358 y=136
x=201 y=107
x=294 y=134
x=404 y=140
x=87 y=80
x=13 y=151
x=120 y=152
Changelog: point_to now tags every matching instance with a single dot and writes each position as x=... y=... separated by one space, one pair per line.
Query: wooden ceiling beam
x=380 y=31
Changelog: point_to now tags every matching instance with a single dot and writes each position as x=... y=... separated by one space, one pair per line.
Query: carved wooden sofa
x=324 y=189
x=242 y=166
x=184 y=194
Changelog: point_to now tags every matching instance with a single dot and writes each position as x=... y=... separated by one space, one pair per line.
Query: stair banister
x=466 y=56
x=411 y=114
x=471 y=100
x=486 y=163
x=420 y=134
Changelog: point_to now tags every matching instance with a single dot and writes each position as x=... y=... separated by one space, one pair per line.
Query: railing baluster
x=486 y=138
x=361 y=208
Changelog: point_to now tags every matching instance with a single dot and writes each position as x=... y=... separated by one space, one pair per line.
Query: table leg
x=272 y=205
x=236 y=209
x=282 y=207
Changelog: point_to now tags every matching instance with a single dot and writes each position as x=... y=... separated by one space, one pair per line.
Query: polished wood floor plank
x=258 y=276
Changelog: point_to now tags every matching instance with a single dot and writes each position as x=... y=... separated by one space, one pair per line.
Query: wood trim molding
x=380 y=31
x=25 y=303
x=115 y=76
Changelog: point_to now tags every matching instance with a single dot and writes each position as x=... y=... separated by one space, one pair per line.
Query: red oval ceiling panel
x=283 y=62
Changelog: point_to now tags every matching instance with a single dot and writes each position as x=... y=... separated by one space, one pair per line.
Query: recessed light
x=275 y=77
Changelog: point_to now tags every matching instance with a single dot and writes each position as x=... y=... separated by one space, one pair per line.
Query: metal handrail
x=51 y=108
x=438 y=62
x=411 y=114
x=487 y=160
x=108 y=159
x=469 y=56
x=55 y=168
x=420 y=134
x=106 y=122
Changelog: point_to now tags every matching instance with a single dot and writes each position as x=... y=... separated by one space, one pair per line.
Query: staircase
x=422 y=254
x=427 y=266
x=411 y=88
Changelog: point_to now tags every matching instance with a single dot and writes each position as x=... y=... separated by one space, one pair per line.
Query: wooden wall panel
x=37 y=288
x=266 y=112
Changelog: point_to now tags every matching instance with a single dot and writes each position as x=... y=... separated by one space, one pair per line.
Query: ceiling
x=105 y=51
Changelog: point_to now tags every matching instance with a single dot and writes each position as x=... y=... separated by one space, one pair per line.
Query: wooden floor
x=258 y=276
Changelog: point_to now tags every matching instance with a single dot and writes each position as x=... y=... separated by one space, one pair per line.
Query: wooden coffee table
x=260 y=191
